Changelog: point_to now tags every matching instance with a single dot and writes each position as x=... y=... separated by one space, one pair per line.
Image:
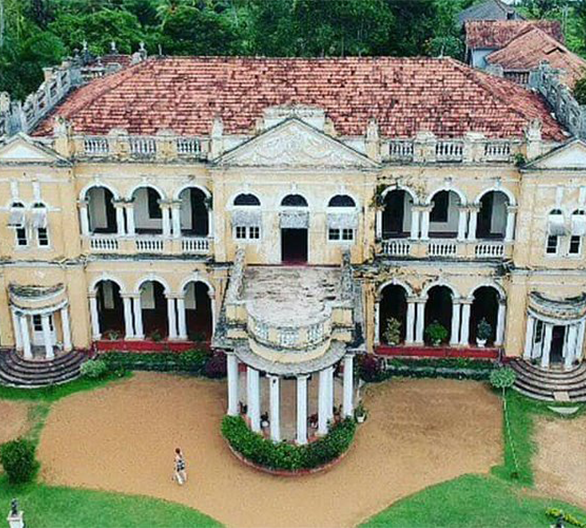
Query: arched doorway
x=445 y=214
x=294 y=229
x=397 y=214
x=194 y=212
x=438 y=308
x=101 y=211
x=148 y=214
x=198 y=311
x=492 y=216
x=110 y=309
x=153 y=304
x=393 y=305
x=485 y=305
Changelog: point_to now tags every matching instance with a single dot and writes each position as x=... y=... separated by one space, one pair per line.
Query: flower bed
x=283 y=457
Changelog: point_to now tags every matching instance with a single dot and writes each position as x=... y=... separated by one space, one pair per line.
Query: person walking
x=180 y=471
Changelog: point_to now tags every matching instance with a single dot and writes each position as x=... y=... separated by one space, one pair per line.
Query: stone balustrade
x=147 y=244
x=446 y=248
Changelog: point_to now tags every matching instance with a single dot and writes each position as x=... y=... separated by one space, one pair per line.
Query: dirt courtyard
x=122 y=437
x=560 y=461
x=13 y=420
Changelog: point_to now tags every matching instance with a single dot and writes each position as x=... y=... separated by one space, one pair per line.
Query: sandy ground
x=560 y=461
x=122 y=438
x=13 y=419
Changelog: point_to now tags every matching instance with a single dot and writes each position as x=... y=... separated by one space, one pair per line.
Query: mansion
x=285 y=210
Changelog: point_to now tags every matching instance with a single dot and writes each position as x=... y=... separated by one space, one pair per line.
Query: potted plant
x=436 y=333
x=392 y=333
x=360 y=413
x=264 y=420
x=483 y=333
x=313 y=420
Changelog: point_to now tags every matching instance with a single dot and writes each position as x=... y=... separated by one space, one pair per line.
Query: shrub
x=483 y=330
x=94 y=369
x=580 y=91
x=370 y=367
x=18 y=460
x=392 y=332
x=558 y=514
x=502 y=378
x=192 y=361
x=215 y=366
x=436 y=333
x=283 y=456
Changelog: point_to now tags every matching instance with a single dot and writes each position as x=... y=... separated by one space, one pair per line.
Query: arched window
x=294 y=200
x=342 y=200
x=246 y=199
x=578 y=231
x=17 y=221
x=39 y=223
x=556 y=228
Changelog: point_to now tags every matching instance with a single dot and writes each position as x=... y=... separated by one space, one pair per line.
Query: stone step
x=40 y=363
x=9 y=379
x=551 y=374
x=556 y=384
x=36 y=369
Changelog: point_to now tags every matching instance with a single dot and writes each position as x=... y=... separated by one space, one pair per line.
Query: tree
x=580 y=91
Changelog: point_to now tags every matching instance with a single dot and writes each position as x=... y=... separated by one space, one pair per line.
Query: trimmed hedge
x=555 y=514
x=283 y=456
x=18 y=460
x=199 y=362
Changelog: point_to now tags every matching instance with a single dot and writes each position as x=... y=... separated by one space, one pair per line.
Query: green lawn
x=59 y=507
x=470 y=501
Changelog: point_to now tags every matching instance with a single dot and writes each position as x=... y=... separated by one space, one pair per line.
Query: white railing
x=149 y=244
x=400 y=150
x=188 y=146
x=489 y=250
x=449 y=150
x=497 y=151
x=195 y=245
x=143 y=146
x=442 y=248
x=103 y=243
x=96 y=146
x=396 y=248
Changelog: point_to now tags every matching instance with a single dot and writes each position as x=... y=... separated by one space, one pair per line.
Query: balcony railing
x=195 y=245
x=449 y=150
x=489 y=250
x=442 y=248
x=149 y=244
x=446 y=248
x=396 y=248
x=104 y=243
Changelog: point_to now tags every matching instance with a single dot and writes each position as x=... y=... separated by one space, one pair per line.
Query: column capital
x=419 y=300
x=422 y=208
x=412 y=299
x=273 y=377
x=465 y=300
x=473 y=208
x=349 y=355
x=512 y=208
x=303 y=377
x=129 y=295
x=83 y=203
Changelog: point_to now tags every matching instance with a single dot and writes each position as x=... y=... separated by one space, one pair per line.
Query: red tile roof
x=529 y=49
x=496 y=34
x=405 y=95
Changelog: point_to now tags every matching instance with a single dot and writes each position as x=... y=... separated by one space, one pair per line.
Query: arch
x=393 y=305
x=294 y=200
x=154 y=307
x=194 y=212
x=398 y=187
x=92 y=185
x=246 y=200
x=492 y=215
x=110 y=308
x=202 y=188
x=455 y=190
x=341 y=201
x=146 y=186
x=427 y=288
x=106 y=277
x=152 y=278
x=438 y=307
x=101 y=212
x=147 y=210
x=196 y=278
x=485 y=303
x=504 y=190
x=499 y=289
x=395 y=282
x=198 y=309
x=396 y=217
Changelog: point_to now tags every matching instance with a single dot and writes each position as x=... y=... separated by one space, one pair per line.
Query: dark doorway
x=438 y=307
x=393 y=304
x=394 y=214
x=199 y=218
x=294 y=246
x=110 y=310
x=557 y=344
x=199 y=319
x=154 y=310
x=485 y=306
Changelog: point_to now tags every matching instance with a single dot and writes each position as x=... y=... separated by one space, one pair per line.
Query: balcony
x=446 y=248
x=146 y=244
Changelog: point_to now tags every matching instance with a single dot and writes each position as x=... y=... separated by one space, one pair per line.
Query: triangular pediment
x=571 y=155
x=22 y=149
x=294 y=143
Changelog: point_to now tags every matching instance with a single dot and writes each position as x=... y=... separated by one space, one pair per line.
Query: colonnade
x=325 y=397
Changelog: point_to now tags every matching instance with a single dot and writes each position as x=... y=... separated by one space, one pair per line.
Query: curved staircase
x=15 y=371
x=550 y=385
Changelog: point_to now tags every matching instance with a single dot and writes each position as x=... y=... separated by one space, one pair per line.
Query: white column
x=420 y=324
x=137 y=310
x=95 y=318
x=510 y=229
x=472 y=223
x=501 y=323
x=166 y=216
x=232 y=372
x=213 y=305
x=120 y=228
x=253 y=398
x=17 y=331
x=275 y=408
x=47 y=337
x=330 y=392
x=171 y=318
x=580 y=341
x=348 y=403
x=410 y=323
x=546 y=345
x=302 y=409
x=176 y=219
x=462 y=217
x=530 y=330
x=84 y=219
x=128 y=326
x=26 y=337
x=210 y=223
x=379 y=225
x=415 y=216
x=455 y=330
x=465 y=326
x=570 y=348
x=377 y=321
x=66 y=329
x=181 y=321
x=425 y=223
x=323 y=402
x=130 y=227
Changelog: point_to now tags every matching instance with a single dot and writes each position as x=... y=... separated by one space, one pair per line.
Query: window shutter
x=556 y=225
x=16 y=218
x=40 y=218
x=578 y=225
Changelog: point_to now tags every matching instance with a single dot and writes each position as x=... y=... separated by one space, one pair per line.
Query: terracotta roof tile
x=528 y=50
x=496 y=34
x=405 y=95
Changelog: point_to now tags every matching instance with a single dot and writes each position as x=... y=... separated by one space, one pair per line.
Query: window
x=39 y=223
x=247 y=232
x=42 y=237
x=342 y=200
x=153 y=202
x=333 y=234
x=441 y=202
x=552 y=245
x=346 y=234
x=254 y=232
x=21 y=238
x=246 y=200
x=294 y=200
x=38 y=323
x=575 y=245
x=240 y=232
